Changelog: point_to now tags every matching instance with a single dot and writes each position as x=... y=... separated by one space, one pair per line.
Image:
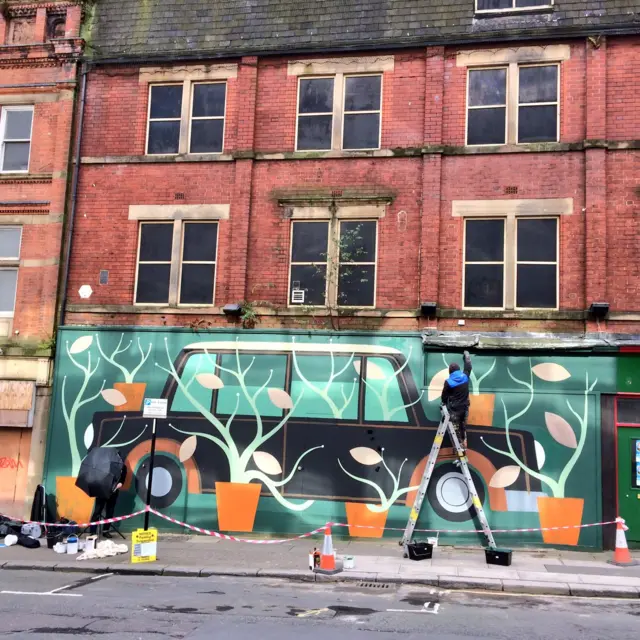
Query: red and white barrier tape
x=76 y=524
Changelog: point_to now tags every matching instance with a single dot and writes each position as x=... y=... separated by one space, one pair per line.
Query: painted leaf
x=88 y=436
x=374 y=371
x=561 y=430
x=436 y=384
x=551 y=372
x=81 y=344
x=365 y=455
x=541 y=456
x=280 y=399
x=114 y=397
x=209 y=381
x=505 y=477
x=357 y=364
x=267 y=463
x=187 y=448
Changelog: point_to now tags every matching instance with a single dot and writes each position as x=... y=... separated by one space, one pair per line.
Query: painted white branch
x=206 y=436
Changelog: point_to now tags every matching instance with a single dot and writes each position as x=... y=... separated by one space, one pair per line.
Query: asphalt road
x=47 y=605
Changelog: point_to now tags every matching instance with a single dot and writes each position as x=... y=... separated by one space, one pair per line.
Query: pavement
x=548 y=572
x=39 y=605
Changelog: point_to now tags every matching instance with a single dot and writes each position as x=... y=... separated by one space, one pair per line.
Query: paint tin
x=349 y=562
x=60 y=547
x=90 y=543
x=72 y=544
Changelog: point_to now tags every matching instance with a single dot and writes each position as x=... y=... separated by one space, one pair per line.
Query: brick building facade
x=39 y=50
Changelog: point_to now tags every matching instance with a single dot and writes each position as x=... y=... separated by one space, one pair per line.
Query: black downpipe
x=74 y=194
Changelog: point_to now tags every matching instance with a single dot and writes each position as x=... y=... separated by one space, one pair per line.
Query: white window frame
x=338 y=113
x=186 y=116
x=12 y=263
x=513 y=7
x=213 y=263
x=512 y=111
x=3 y=125
x=333 y=261
x=510 y=262
x=175 y=264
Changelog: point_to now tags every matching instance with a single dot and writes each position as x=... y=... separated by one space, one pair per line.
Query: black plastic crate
x=420 y=550
x=498 y=556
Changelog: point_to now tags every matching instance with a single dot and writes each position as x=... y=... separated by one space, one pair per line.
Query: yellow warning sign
x=476 y=502
x=438 y=439
x=144 y=545
x=413 y=515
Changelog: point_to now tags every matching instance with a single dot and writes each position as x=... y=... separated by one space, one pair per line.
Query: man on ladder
x=455 y=397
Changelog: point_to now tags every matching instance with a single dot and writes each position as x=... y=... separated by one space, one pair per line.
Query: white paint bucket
x=72 y=544
x=349 y=562
x=60 y=547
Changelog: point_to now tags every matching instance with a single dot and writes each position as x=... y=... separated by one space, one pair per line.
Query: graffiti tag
x=10 y=463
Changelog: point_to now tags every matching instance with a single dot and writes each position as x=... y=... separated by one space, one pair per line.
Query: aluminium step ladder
x=444 y=426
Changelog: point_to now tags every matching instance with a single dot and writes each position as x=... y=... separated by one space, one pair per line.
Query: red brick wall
x=623 y=63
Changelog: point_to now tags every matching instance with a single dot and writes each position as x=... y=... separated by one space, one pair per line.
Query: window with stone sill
x=502 y=6
x=16 y=125
x=333 y=263
x=10 y=241
x=177 y=263
x=339 y=112
x=510 y=263
x=513 y=104
x=186 y=117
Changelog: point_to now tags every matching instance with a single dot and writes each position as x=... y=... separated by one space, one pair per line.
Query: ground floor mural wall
x=281 y=432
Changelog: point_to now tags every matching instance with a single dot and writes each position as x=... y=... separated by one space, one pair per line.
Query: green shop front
x=279 y=432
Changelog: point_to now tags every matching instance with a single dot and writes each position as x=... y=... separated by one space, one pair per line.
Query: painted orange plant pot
x=364 y=523
x=237 y=505
x=133 y=392
x=72 y=503
x=561 y=512
x=481 y=409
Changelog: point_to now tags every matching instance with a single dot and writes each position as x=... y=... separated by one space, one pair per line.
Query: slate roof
x=215 y=28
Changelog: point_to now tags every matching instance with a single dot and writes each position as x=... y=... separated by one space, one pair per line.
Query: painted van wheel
x=167 y=481
x=449 y=495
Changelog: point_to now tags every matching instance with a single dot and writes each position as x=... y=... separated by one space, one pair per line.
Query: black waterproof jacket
x=455 y=393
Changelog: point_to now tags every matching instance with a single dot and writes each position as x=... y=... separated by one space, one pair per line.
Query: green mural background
x=296 y=429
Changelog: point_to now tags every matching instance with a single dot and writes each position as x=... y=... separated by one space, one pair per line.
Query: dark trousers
x=106 y=509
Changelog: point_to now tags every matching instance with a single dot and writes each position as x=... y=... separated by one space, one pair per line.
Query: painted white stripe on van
x=320 y=349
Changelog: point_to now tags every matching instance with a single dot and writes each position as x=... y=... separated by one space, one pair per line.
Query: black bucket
x=420 y=550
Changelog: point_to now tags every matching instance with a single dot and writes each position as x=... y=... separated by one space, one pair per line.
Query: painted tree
x=129 y=374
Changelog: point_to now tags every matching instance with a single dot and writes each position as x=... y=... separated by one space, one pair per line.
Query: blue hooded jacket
x=455 y=393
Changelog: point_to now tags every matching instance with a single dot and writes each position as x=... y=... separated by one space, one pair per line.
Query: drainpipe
x=74 y=194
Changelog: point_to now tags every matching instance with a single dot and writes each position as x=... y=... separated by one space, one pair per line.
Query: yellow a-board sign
x=144 y=545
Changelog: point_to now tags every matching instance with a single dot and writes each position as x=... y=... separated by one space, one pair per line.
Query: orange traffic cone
x=328 y=556
x=621 y=555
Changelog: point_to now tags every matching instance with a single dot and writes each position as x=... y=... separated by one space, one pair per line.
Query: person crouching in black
x=106 y=508
x=455 y=396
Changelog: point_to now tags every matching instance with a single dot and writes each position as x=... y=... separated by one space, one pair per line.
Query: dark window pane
x=316 y=95
x=309 y=243
x=536 y=286
x=356 y=286
x=361 y=131
x=487 y=87
x=16 y=156
x=488 y=5
x=153 y=283
x=629 y=410
x=164 y=137
x=538 y=84
x=537 y=240
x=18 y=125
x=486 y=126
x=362 y=93
x=484 y=241
x=155 y=242
x=532 y=3
x=200 y=241
x=538 y=124
x=358 y=241
x=206 y=136
x=166 y=101
x=311 y=278
x=208 y=99
x=483 y=285
x=196 y=283
x=314 y=133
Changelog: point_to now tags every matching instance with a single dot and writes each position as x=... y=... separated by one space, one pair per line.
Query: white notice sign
x=155 y=408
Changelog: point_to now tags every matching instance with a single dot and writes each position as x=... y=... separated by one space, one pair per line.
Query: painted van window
x=382 y=396
x=196 y=363
x=628 y=411
x=326 y=392
x=266 y=371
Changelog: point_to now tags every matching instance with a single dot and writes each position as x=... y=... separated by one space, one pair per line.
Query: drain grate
x=373 y=585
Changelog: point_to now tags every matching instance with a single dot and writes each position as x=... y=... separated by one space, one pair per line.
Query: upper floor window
x=199 y=128
x=15 y=138
x=339 y=112
x=176 y=263
x=487 y=6
x=10 y=241
x=513 y=104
